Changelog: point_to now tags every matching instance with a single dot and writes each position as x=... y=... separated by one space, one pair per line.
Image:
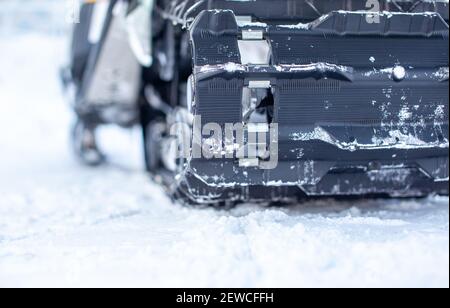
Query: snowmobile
x=276 y=101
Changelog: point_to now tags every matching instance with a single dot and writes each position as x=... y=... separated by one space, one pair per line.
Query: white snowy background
x=64 y=225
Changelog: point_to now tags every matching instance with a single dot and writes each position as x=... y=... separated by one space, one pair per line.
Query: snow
x=64 y=225
x=396 y=138
x=399 y=72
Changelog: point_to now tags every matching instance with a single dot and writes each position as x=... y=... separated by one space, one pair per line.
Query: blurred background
x=44 y=16
x=63 y=224
x=34 y=48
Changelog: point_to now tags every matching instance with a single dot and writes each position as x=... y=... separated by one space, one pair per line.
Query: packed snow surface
x=62 y=224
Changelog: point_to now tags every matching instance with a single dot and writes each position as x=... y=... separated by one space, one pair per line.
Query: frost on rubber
x=362 y=108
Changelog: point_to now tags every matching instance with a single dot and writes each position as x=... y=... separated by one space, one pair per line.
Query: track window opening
x=258 y=105
x=255 y=52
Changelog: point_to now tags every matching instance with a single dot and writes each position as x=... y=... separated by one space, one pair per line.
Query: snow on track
x=65 y=225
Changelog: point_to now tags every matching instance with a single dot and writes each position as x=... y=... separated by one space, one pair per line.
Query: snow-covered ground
x=63 y=225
